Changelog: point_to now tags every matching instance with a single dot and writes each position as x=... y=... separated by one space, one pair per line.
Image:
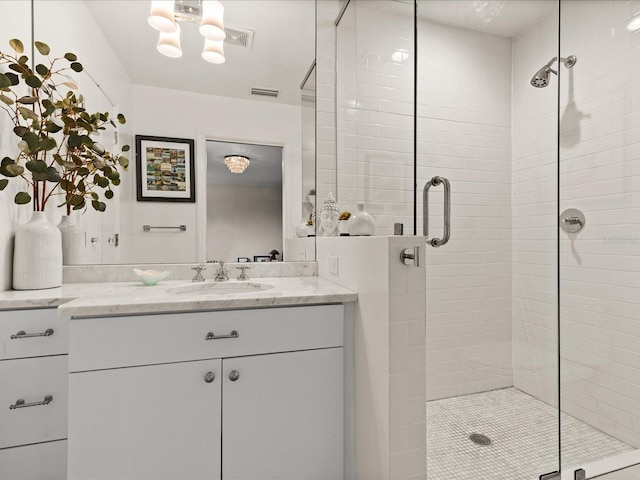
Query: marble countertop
x=123 y=298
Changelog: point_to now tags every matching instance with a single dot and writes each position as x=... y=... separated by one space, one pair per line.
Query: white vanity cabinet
x=33 y=395
x=181 y=396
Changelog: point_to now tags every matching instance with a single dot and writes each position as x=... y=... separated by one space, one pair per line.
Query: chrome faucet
x=243 y=272
x=198 y=277
x=221 y=274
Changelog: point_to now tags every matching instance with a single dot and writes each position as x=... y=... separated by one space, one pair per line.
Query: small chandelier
x=165 y=15
x=236 y=163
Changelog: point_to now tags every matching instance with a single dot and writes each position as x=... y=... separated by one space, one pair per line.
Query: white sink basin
x=222 y=288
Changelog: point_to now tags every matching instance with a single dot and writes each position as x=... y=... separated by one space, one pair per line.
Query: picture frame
x=261 y=258
x=243 y=259
x=165 y=169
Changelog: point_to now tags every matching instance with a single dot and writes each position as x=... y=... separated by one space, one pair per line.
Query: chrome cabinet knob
x=234 y=375
x=209 y=377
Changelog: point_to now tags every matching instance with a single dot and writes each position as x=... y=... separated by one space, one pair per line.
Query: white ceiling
x=283 y=48
x=265 y=167
x=508 y=18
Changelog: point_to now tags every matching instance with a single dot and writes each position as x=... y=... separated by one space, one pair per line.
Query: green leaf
x=6 y=100
x=124 y=161
x=66 y=185
x=13 y=78
x=33 y=141
x=94 y=195
x=36 y=166
x=73 y=141
x=20 y=130
x=33 y=81
x=108 y=194
x=28 y=100
x=17 y=45
x=43 y=48
x=22 y=198
x=113 y=175
x=3 y=183
x=126 y=148
x=116 y=182
x=53 y=175
x=48 y=143
x=83 y=171
x=103 y=182
x=76 y=67
x=99 y=206
x=42 y=70
x=75 y=199
x=52 y=127
x=80 y=206
x=23 y=60
x=39 y=177
x=28 y=114
x=4 y=81
x=70 y=56
x=81 y=186
x=121 y=119
x=13 y=170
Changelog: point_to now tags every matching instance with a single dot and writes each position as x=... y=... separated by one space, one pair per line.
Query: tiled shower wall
x=464 y=134
x=375 y=111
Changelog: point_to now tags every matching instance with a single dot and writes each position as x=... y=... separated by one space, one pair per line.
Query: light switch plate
x=332 y=261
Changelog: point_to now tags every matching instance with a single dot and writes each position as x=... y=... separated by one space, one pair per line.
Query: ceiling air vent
x=240 y=37
x=265 y=92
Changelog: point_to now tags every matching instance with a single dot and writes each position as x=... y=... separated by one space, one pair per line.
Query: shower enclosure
x=533 y=304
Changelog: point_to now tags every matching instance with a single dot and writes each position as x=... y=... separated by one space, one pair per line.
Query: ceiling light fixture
x=236 y=163
x=165 y=15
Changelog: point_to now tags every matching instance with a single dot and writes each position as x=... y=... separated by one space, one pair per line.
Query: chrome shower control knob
x=209 y=377
x=234 y=375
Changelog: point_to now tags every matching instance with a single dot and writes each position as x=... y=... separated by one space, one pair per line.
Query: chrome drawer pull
x=212 y=336
x=22 y=334
x=21 y=403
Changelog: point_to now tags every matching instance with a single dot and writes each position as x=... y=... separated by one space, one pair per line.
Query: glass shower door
x=491 y=331
x=600 y=243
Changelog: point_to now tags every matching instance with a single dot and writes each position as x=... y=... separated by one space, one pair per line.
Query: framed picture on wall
x=261 y=258
x=243 y=259
x=165 y=169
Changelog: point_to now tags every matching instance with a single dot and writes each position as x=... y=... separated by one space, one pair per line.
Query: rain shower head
x=541 y=78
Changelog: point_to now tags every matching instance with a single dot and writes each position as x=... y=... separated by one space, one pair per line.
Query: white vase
x=361 y=222
x=37 y=254
x=72 y=241
x=343 y=228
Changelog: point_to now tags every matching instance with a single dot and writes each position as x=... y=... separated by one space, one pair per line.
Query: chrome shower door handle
x=435 y=181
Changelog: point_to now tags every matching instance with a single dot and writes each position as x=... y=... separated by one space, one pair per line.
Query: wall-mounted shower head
x=541 y=78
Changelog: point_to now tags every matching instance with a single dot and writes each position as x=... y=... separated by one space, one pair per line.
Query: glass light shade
x=236 y=163
x=161 y=16
x=169 y=44
x=213 y=51
x=212 y=26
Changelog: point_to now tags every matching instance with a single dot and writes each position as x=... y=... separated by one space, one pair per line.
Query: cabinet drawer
x=43 y=461
x=32 y=322
x=99 y=343
x=32 y=380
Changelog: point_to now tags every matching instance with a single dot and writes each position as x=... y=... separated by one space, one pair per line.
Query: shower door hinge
x=550 y=476
x=580 y=474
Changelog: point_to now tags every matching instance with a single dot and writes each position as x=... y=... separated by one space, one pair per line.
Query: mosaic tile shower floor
x=523 y=430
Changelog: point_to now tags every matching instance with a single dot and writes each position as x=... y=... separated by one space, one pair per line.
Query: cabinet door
x=40 y=461
x=151 y=422
x=283 y=416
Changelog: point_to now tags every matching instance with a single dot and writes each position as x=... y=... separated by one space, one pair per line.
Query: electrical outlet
x=332 y=261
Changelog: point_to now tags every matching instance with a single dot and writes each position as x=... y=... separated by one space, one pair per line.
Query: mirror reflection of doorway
x=244 y=210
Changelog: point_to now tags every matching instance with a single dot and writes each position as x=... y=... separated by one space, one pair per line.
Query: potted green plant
x=57 y=156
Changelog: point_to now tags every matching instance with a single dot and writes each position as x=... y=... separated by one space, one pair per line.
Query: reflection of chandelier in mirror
x=236 y=163
x=165 y=15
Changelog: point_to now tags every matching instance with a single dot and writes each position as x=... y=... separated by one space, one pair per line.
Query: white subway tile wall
x=464 y=134
x=375 y=66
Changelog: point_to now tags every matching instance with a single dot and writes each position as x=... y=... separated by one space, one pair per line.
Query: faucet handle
x=221 y=262
x=243 y=273
x=199 y=268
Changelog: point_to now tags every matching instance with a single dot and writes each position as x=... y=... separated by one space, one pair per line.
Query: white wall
x=534 y=198
x=173 y=113
x=389 y=320
x=15 y=22
x=243 y=221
